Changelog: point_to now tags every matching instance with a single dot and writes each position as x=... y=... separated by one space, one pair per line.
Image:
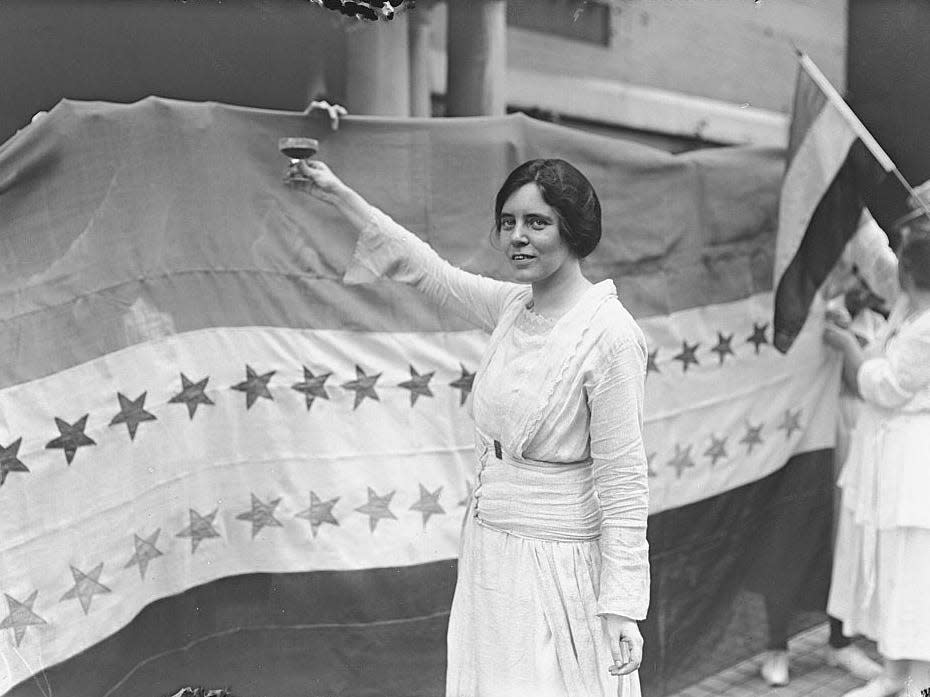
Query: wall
x=889 y=84
x=733 y=50
x=247 y=52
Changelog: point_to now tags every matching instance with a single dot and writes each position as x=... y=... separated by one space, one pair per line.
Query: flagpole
x=830 y=91
x=914 y=195
x=867 y=139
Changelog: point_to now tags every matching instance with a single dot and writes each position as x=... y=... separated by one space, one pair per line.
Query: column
x=477 y=58
x=419 y=20
x=378 y=67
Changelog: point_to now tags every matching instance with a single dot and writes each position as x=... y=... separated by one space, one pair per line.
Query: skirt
x=896 y=613
x=523 y=620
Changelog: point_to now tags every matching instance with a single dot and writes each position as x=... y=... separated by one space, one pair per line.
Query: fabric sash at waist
x=536 y=499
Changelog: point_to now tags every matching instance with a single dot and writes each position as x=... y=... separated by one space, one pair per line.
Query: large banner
x=189 y=394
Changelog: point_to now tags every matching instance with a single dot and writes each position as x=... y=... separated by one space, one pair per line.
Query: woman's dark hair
x=569 y=193
x=914 y=257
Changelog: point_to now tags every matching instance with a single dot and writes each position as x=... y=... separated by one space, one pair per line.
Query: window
x=582 y=20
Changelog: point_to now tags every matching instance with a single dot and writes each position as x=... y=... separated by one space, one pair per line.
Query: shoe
x=854 y=661
x=882 y=686
x=774 y=668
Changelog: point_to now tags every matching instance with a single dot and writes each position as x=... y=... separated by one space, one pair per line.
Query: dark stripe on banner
x=833 y=223
x=809 y=101
x=320 y=634
x=717 y=565
x=207 y=234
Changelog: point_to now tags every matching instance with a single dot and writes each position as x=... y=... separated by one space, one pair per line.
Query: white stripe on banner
x=733 y=419
x=87 y=545
x=822 y=152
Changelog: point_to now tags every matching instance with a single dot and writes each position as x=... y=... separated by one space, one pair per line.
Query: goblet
x=298 y=148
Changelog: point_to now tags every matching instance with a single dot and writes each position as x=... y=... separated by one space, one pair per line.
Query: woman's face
x=529 y=235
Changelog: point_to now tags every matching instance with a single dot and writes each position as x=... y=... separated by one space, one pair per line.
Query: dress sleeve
x=891 y=380
x=870 y=251
x=615 y=398
x=386 y=250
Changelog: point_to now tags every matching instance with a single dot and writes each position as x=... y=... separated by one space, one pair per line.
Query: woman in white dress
x=882 y=558
x=553 y=566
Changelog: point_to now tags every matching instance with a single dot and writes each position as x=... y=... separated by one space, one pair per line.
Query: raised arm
x=615 y=399
x=386 y=250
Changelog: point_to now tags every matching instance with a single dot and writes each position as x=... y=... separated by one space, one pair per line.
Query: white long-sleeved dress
x=556 y=532
x=882 y=558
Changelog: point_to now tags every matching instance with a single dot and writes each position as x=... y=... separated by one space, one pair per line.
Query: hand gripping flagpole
x=860 y=130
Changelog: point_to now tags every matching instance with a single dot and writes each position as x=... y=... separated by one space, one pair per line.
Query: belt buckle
x=498 y=453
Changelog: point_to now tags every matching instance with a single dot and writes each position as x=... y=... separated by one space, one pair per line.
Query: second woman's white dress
x=882 y=560
x=556 y=532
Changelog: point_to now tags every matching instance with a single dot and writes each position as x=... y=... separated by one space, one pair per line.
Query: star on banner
x=651 y=365
x=254 y=386
x=201 y=528
x=681 y=460
x=790 y=423
x=418 y=385
x=72 y=437
x=21 y=616
x=9 y=460
x=192 y=394
x=428 y=504
x=146 y=551
x=319 y=512
x=261 y=515
x=687 y=356
x=86 y=586
x=723 y=348
x=464 y=383
x=758 y=338
x=753 y=437
x=377 y=508
x=312 y=386
x=717 y=449
x=132 y=413
x=649 y=471
x=363 y=385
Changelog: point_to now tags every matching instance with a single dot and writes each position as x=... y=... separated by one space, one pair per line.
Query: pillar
x=476 y=44
x=378 y=67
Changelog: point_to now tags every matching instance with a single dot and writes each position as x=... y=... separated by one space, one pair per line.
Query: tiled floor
x=810 y=674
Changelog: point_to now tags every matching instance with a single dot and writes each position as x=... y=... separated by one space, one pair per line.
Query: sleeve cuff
x=374 y=253
x=624 y=584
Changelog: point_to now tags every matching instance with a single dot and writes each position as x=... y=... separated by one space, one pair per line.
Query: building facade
x=717 y=71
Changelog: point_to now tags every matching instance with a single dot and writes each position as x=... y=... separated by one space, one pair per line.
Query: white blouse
x=899 y=377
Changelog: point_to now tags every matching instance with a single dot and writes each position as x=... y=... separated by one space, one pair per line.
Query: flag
x=223 y=466
x=832 y=164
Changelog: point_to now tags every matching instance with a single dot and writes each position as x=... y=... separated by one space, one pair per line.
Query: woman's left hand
x=626 y=643
x=838 y=337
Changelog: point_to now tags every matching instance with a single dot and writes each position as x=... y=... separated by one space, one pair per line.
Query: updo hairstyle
x=568 y=192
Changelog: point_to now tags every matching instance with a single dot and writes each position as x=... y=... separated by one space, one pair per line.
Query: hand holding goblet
x=318 y=180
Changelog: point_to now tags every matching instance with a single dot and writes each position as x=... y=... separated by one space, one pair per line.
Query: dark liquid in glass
x=298 y=153
x=298 y=147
